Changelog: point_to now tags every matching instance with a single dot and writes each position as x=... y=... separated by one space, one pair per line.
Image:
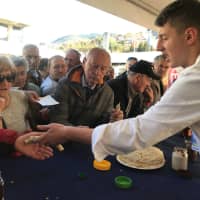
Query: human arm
x=7 y=139
x=57 y=133
x=120 y=90
x=36 y=151
x=177 y=109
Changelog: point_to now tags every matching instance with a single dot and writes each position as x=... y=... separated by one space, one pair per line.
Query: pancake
x=148 y=158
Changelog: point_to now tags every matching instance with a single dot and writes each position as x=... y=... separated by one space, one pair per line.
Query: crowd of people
x=86 y=98
x=116 y=114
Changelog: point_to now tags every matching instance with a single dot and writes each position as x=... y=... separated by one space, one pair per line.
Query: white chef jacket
x=177 y=109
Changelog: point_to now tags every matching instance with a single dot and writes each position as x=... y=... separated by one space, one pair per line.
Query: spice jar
x=179 y=159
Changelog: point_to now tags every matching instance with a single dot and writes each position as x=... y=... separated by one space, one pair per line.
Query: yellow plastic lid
x=103 y=165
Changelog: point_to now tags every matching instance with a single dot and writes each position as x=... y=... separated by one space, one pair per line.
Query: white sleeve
x=177 y=109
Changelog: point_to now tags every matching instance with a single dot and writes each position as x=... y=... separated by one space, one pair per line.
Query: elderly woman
x=13 y=111
x=13 y=103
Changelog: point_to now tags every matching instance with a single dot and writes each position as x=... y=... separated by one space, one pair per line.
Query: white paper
x=15 y=88
x=47 y=101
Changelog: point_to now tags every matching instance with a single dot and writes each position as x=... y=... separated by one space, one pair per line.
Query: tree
x=144 y=46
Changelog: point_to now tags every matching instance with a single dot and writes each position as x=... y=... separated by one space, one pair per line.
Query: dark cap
x=132 y=58
x=144 y=67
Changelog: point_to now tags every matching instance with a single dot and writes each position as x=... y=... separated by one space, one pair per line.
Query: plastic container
x=179 y=159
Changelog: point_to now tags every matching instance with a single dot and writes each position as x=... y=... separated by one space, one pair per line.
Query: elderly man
x=72 y=58
x=31 y=54
x=132 y=87
x=178 y=108
x=129 y=62
x=57 y=70
x=85 y=100
x=161 y=67
x=109 y=74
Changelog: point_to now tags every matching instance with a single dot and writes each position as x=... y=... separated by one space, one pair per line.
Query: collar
x=85 y=84
x=56 y=80
x=189 y=68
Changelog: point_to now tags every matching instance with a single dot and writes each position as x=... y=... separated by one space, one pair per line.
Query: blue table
x=57 y=178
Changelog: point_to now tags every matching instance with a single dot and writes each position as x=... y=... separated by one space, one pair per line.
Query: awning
x=14 y=24
x=141 y=12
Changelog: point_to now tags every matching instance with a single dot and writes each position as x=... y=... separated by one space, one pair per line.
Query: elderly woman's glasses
x=9 y=78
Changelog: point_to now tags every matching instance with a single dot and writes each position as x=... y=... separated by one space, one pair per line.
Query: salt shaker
x=179 y=159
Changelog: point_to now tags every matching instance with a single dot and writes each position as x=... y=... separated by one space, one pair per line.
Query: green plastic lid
x=123 y=182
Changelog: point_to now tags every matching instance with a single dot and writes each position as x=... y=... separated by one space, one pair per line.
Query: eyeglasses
x=9 y=78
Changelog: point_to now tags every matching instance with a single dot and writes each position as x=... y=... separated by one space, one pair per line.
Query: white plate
x=120 y=159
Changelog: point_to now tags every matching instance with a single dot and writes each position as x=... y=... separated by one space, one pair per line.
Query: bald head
x=96 y=65
x=95 y=52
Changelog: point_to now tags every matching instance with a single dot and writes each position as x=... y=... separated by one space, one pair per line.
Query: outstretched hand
x=55 y=134
x=36 y=151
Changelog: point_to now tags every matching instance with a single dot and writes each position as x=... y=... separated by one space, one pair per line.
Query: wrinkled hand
x=149 y=96
x=36 y=151
x=55 y=134
x=32 y=96
x=116 y=115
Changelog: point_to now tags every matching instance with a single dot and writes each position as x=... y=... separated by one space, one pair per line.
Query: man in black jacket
x=133 y=89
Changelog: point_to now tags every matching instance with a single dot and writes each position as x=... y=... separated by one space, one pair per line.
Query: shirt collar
x=197 y=63
x=85 y=84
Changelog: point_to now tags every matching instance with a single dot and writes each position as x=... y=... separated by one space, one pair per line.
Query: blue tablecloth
x=57 y=178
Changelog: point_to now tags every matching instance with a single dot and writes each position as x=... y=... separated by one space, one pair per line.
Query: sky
x=50 y=19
